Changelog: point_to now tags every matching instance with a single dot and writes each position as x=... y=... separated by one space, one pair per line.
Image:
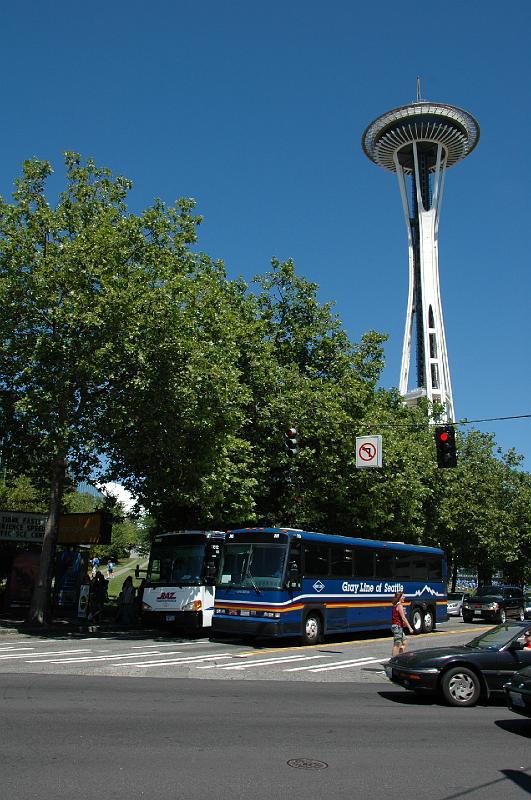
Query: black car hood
x=433 y=656
x=486 y=598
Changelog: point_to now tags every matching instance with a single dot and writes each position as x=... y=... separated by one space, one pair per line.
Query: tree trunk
x=40 y=609
x=454 y=577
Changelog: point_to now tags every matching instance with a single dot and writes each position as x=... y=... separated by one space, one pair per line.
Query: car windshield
x=258 y=565
x=484 y=591
x=497 y=637
x=454 y=595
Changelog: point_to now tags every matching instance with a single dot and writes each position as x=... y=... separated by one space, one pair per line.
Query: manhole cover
x=306 y=763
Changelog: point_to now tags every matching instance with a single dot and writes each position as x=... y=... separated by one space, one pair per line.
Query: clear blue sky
x=257 y=109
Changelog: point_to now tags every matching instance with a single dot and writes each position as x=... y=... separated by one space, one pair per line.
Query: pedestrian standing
x=399 y=622
x=127 y=603
x=98 y=597
x=110 y=567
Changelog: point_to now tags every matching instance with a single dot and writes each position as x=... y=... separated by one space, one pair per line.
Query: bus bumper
x=268 y=628
x=186 y=620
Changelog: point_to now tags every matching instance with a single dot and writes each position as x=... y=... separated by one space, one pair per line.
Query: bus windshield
x=180 y=565
x=255 y=565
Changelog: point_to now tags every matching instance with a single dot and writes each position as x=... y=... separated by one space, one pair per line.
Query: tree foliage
x=127 y=355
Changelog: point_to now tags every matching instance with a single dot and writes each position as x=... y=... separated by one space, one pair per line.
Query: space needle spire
x=419 y=142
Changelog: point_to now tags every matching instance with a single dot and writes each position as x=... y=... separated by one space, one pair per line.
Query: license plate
x=478 y=613
x=245 y=614
x=516 y=699
x=170 y=617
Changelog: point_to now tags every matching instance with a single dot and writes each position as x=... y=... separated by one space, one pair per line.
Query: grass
x=122 y=570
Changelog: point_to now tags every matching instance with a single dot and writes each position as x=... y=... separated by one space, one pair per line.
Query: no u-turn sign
x=368 y=451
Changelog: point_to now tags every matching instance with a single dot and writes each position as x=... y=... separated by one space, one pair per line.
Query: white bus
x=179 y=587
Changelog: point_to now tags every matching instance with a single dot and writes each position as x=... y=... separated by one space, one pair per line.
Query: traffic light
x=291 y=440
x=445 y=444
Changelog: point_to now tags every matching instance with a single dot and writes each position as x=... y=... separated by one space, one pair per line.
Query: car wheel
x=502 y=616
x=460 y=687
x=313 y=629
x=416 y=620
x=428 y=621
x=467 y=617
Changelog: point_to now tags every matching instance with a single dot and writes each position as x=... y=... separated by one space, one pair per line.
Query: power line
x=428 y=425
x=489 y=419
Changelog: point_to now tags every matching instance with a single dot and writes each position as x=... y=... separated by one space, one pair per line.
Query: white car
x=455 y=604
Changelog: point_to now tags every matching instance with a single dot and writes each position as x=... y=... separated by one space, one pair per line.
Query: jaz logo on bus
x=167 y=596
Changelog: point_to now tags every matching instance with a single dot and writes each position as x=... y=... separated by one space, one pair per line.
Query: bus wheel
x=313 y=629
x=416 y=620
x=428 y=623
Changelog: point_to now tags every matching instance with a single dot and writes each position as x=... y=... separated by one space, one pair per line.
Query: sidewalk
x=17 y=626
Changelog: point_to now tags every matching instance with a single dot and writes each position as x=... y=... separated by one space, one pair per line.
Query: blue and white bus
x=286 y=582
x=182 y=571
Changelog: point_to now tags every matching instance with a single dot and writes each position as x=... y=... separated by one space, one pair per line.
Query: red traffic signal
x=291 y=441
x=445 y=446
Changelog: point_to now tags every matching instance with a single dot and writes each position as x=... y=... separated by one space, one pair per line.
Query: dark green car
x=518 y=691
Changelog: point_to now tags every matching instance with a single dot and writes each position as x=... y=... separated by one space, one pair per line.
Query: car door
x=509 y=602
x=509 y=662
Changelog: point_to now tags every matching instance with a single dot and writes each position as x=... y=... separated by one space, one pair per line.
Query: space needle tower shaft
x=419 y=142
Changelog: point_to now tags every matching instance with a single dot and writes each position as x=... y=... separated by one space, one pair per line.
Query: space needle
x=420 y=142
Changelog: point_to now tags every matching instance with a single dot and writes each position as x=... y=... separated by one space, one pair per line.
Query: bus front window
x=259 y=565
x=176 y=565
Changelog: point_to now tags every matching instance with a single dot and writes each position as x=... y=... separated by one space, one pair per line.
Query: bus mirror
x=293 y=572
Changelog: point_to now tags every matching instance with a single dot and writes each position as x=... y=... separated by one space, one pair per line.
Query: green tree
x=80 y=286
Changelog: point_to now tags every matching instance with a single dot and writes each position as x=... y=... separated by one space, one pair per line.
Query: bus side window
x=340 y=561
x=154 y=573
x=434 y=565
x=420 y=569
x=315 y=560
x=294 y=562
x=402 y=567
x=384 y=565
x=363 y=563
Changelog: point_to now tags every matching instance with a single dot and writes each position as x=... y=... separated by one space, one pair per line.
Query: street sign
x=368 y=451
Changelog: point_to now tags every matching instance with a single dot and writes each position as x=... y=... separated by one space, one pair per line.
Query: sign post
x=368 y=452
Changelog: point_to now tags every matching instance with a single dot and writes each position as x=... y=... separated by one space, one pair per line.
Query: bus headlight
x=195 y=605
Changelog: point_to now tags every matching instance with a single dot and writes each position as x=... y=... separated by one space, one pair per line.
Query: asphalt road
x=142 y=654
x=68 y=736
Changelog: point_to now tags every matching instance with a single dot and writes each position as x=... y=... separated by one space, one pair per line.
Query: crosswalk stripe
x=332 y=664
x=49 y=653
x=176 y=662
x=348 y=664
x=97 y=658
x=264 y=663
x=167 y=644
